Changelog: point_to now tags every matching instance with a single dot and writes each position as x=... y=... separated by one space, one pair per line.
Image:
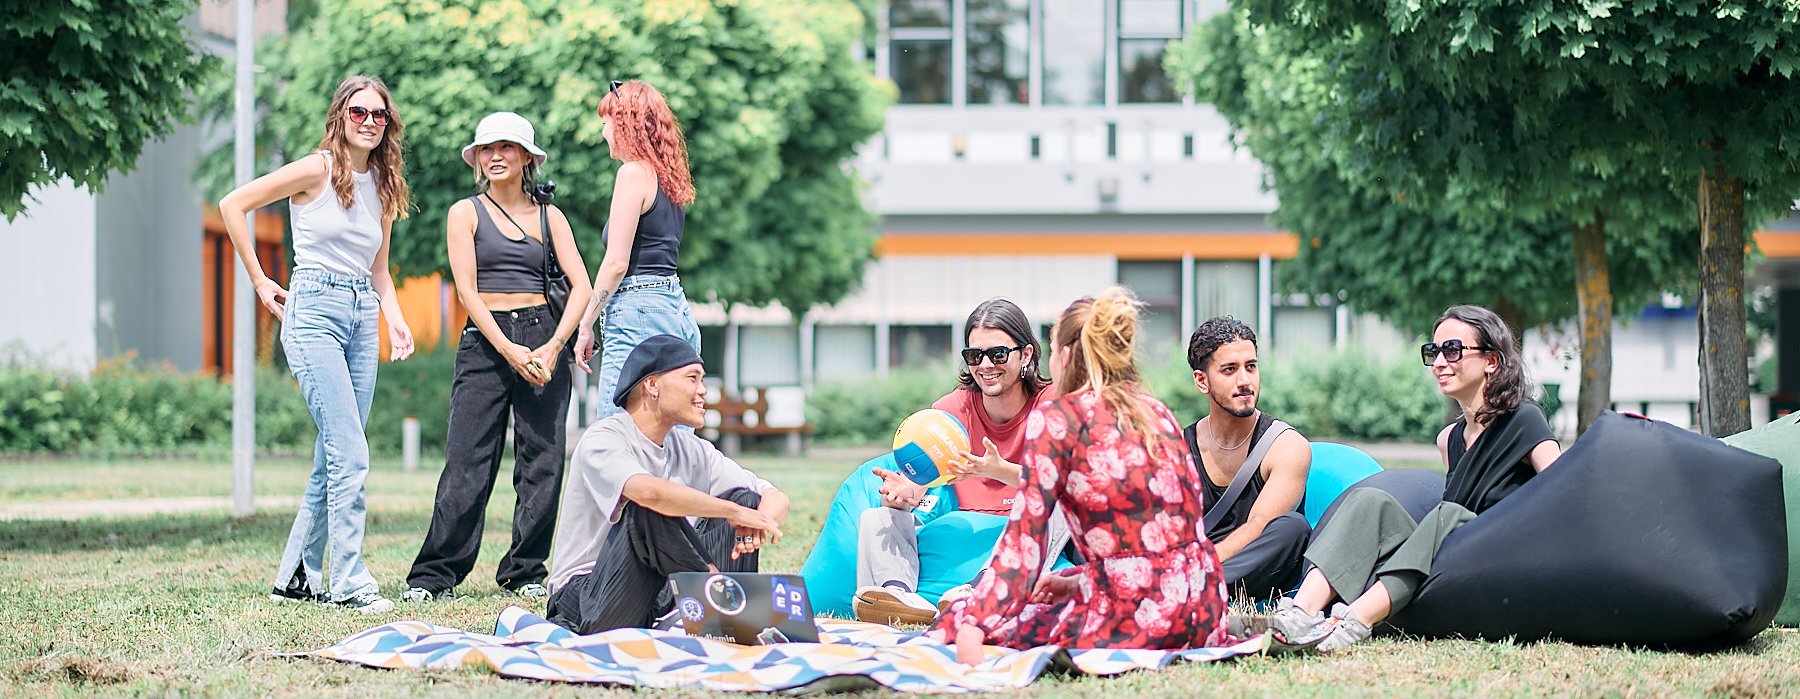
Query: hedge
x=127 y=406
x=1347 y=395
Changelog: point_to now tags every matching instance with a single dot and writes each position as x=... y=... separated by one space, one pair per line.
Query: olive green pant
x=1371 y=539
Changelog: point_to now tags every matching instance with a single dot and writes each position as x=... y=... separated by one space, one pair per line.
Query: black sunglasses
x=997 y=354
x=1451 y=349
x=362 y=114
x=616 y=84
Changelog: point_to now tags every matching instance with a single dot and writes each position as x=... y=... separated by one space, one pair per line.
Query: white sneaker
x=952 y=595
x=892 y=605
x=367 y=602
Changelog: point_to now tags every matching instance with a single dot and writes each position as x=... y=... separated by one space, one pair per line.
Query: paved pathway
x=130 y=507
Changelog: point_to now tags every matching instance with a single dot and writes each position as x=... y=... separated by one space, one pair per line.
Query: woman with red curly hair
x=637 y=284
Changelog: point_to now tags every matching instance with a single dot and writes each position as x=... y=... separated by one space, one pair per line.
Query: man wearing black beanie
x=643 y=500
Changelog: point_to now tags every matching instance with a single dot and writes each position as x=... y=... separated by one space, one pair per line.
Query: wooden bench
x=729 y=419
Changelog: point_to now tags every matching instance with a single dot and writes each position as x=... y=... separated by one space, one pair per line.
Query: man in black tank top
x=1257 y=529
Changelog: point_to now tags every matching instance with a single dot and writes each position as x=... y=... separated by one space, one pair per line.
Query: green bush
x=418 y=387
x=124 y=406
x=868 y=411
x=1343 y=395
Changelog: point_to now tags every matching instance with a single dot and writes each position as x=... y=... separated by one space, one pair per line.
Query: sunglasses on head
x=1451 y=349
x=362 y=114
x=996 y=354
x=616 y=84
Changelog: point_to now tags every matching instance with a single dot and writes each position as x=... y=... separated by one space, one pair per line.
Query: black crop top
x=657 y=245
x=504 y=265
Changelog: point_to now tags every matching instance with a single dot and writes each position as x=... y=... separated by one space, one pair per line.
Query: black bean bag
x=1641 y=533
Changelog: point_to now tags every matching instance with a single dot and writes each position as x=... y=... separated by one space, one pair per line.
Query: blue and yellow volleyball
x=925 y=445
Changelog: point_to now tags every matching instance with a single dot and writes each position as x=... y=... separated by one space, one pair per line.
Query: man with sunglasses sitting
x=1254 y=467
x=999 y=385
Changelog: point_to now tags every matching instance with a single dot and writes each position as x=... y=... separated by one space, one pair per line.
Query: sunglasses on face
x=997 y=354
x=361 y=114
x=1451 y=349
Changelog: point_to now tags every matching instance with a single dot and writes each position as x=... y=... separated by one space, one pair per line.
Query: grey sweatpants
x=887 y=546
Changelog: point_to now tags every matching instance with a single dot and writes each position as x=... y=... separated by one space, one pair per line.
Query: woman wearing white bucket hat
x=511 y=359
x=637 y=284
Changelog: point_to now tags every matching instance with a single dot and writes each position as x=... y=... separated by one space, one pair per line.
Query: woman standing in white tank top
x=343 y=200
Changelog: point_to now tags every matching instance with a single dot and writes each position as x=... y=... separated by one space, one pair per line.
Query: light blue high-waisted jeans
x=332 y=342
x=644 y=306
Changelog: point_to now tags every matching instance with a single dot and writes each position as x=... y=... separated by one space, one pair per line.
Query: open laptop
x=746 y=608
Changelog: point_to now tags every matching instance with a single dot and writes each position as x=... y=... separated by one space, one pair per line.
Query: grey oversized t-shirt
x=610 y=453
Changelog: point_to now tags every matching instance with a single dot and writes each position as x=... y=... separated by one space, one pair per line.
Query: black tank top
x=1240 y=510
x=504 y=265
x=657 y=245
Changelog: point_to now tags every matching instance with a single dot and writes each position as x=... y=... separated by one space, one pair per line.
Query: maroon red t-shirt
x=979 y=494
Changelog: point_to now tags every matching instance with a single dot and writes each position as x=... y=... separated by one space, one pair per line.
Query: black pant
x=624 y=590
x=1270 y=565
x=486 y=389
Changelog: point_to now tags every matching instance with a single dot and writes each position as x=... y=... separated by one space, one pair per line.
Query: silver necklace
x=1213 y=431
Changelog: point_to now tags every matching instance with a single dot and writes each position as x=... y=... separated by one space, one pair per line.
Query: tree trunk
x=1724 y=354
x=1593 y=289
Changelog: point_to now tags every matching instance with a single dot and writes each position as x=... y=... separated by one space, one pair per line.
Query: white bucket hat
x=503 y=126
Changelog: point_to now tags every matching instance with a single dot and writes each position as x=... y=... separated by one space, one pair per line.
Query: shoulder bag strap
x=1252 y=464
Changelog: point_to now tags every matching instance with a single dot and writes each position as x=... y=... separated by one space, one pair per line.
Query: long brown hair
x=1508 y=386
x=645 y=129
x=1102 y=332
x=387 y=162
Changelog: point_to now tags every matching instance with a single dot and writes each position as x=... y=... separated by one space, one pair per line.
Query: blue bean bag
x=830 y=569
x=1642 y=533
x=1335 y=467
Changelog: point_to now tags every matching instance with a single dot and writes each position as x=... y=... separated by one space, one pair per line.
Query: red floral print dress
x=1152 y=579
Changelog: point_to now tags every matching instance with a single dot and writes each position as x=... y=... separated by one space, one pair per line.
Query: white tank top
x=335 y=239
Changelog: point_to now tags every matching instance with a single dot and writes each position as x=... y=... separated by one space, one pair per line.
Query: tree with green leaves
x=1612 y=101
x=84 y=84
x=1402 y=243
x=769 y=92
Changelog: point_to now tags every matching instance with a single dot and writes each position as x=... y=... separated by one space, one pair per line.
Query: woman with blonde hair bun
x=1113 y=456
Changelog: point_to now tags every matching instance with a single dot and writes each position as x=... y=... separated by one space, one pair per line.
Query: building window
x=1074 y=40
x=1225 y=288
x=918 y=345
x=712 y=350
x=843 y=352
x=1145 y=29
x=999 y=46
x=1302 y=329
x=919 y=59
x=768 y=355
x=1158 y=285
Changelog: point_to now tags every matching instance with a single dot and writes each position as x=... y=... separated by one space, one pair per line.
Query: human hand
x=400 y=340
x=546 y=357
x=968 y=645
x=584 y=347
x=752 y=528
x=524 y=363
x=898 y=491
x=1055 y=589
x=748 y=541
x=267 y=292
x=988 y=464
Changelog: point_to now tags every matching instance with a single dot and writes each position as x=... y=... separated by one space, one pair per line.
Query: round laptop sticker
x=690 y=608
x=725 y=594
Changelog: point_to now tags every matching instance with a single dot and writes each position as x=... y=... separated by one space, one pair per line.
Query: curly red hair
x=645 y=129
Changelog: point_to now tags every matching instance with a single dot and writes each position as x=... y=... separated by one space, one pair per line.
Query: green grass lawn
x=176 y=604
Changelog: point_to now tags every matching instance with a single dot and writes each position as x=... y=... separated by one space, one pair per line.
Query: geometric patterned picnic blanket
x=851 y=655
